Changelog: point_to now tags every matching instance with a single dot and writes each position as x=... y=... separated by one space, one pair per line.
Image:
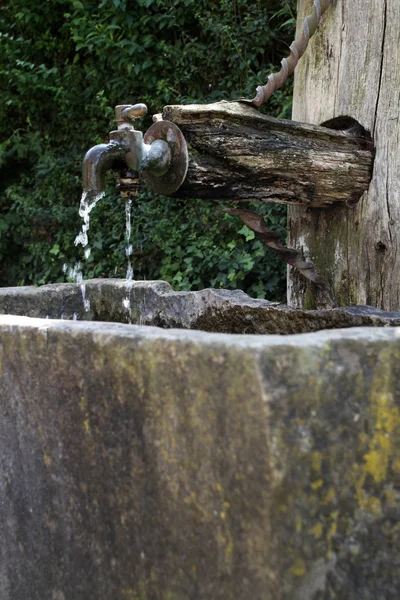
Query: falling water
x=126 y=303
x=128 y=247
x=75 y=273
x=87 y=204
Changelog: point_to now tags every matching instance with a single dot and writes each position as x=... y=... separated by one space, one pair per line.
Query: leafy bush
x=64 y=64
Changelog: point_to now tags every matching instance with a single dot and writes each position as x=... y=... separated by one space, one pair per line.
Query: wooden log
x=237 y=153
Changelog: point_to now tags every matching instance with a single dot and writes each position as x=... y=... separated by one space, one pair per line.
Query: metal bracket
x=170 y=181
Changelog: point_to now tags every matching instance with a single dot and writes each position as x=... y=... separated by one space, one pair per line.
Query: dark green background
x=63 y=66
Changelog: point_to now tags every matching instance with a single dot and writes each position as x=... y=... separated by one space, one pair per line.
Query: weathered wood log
x=237 y=153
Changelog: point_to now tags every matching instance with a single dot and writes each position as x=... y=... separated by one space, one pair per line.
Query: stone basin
x=148 y=463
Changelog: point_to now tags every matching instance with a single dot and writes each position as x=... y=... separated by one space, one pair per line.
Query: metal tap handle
x=127 y=113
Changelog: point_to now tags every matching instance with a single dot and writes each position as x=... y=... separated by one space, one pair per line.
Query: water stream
x=74 y=273
x=87 y=204
x=126 y=302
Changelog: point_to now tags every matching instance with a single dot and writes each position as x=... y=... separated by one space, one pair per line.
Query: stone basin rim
x=142 y=333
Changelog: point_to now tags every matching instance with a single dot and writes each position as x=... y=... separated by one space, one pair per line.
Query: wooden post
x=351 y=68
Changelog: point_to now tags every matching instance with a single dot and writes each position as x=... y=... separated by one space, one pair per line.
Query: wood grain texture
x=237 y=153
x=352 y=68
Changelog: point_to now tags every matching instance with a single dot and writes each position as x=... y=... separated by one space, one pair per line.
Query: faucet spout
x=97 y=161
x=161 y=155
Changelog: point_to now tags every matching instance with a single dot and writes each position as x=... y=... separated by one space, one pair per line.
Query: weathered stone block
x=138 y=463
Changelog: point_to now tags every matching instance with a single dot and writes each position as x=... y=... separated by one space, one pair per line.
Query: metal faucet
x=160 y=155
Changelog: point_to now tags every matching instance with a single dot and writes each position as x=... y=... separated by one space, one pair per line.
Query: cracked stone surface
x=156 y=303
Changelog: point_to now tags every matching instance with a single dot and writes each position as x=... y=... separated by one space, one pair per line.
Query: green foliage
x=192 y=245
x=64 y=64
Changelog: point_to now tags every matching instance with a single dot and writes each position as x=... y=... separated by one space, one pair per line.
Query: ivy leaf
x=248 y=233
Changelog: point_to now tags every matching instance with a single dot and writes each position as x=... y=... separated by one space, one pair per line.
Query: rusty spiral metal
x=297 y=49
x=323 y=291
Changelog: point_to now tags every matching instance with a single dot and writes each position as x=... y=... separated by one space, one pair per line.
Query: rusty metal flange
x=172 y=180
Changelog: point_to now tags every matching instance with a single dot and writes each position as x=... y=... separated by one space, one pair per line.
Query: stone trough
x=148 y=463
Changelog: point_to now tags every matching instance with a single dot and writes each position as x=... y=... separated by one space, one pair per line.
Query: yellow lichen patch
x=317 y=484
x=225 y=507
x=298 y=568
x=316 y=461
x=332 y=530
x=390 y=497
x=329 y=497
x=83 y=404
x=373 y=506
x=382 y=454
x=317 y=530
x=387 y=419
x=229 y=548
x=47 y=459
x=376 y=464
x=84 y=408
